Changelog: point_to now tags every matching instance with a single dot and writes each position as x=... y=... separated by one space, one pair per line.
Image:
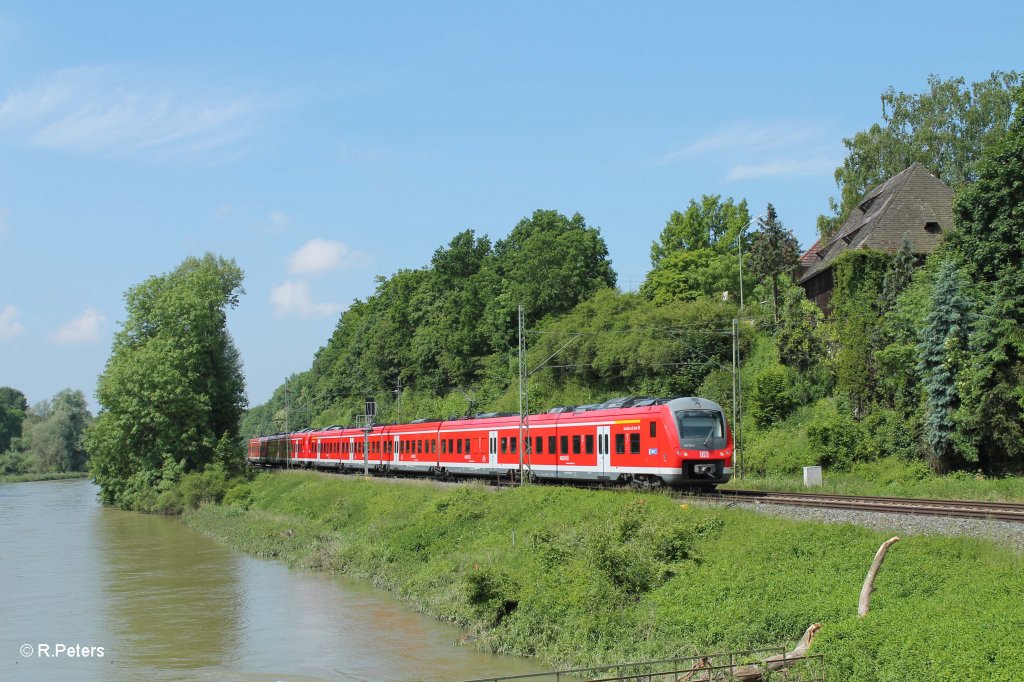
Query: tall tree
x=548 y=263
x=172 y=391
x=695 y=253
x=774 y=252
x=942 y=350
x=55 y=438
x=989 y=245
x=12 y=413
x=945 y=128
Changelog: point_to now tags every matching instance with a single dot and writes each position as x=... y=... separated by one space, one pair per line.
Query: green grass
x=893 y=477
x=587 y=577
x=51 y=476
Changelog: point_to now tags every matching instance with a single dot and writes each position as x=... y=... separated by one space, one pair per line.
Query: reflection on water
x=167 y=603
x=171 y=596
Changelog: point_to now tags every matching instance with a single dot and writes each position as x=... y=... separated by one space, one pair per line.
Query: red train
x=678 y=441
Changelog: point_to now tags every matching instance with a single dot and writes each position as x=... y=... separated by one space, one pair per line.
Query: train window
x=433 y=447
x=552 y=445
x=451 y=446
x=540 y=445
x=565 y=445
x=589 y=443
x=654 y=429
x=419 y=447
x=576 y=441
x=444 y=447
x=512 y=444
x=467 y=446
x=634 y=443
x=504 y=445
x=620 y=443
x=459 y=443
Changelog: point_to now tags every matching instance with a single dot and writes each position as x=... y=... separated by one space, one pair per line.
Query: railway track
x=964 y=509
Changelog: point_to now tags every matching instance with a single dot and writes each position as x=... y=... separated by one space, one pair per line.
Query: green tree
x=55 y=437
x=695 y=253
x=989 y=245
x=774 y=252
x=898 y=274
x=548 y=263
x=12 y=413
x=945 y=128
x=942 y=350
x=173 y=388
x=772 y=397
x=800 y=344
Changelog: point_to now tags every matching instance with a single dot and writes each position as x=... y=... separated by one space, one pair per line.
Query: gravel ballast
x=1004 y=532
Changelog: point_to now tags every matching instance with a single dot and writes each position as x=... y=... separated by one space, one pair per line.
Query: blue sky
x=321 y=144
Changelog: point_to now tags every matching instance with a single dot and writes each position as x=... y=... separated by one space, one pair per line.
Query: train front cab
x=705 y=445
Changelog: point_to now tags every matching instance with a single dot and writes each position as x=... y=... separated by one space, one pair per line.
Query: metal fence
x=722 y=667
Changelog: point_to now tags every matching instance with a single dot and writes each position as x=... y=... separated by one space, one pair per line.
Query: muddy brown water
x=88 y=593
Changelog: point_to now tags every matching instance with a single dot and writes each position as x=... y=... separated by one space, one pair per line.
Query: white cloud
x=294 y=298
x=777 y=167
x=83 y=329
x=323 y=255
x=760 y=149
x=279 y=221
x=752 y=137
x=222 y=212
x=115 y=112
x=5 y=214
x=9 y=325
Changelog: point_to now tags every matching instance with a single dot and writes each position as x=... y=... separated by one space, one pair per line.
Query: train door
x=603 y=450
x=319 y=446
x=351 y=448
x=395 y=450
x=492 y=448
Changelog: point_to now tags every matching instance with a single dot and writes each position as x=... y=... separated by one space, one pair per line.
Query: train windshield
x=701 y=429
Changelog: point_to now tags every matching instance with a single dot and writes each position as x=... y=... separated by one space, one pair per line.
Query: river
x=147 y=598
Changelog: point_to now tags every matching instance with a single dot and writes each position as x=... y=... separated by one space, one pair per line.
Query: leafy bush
x=238 y=495
x=784 y=450
x=839 y=440
x=772 y=397
x=891 y=432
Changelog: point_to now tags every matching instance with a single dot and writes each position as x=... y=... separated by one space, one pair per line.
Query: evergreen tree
x=774 y=252
x=989 y=244
x=898 y=274
x=942 y=350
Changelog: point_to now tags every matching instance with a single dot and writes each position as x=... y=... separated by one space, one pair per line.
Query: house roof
x=913 y=203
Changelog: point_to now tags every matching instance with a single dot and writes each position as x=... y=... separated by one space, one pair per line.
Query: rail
x=968 y=509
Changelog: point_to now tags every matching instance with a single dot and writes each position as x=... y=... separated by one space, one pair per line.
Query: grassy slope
x=609 y=576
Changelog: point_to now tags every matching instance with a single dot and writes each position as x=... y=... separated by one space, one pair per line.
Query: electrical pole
x=524 y=399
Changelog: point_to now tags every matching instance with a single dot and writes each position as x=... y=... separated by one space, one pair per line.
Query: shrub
x=772 y=397
x=782 y=451
x=208 y=486
x=839 y=440
x=238 y=495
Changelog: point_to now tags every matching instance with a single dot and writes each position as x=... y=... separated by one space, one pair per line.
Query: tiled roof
x=913 y=203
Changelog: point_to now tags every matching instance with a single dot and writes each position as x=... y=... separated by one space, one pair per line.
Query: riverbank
x=51 y=476
x=586 y=577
